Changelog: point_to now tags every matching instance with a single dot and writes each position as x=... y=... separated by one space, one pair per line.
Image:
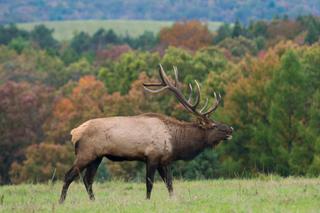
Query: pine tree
x=312 y=35
x=288 y=141
x=314 y=127
x=223 y=32
x=237 y=29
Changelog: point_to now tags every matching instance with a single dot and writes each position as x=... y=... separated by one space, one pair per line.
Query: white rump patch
x=77 y=132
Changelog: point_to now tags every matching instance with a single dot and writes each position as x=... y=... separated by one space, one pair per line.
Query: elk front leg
x=166 y=175
x=150 y=171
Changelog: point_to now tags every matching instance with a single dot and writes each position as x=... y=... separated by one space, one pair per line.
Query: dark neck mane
x=169 y=120
x=188 y=138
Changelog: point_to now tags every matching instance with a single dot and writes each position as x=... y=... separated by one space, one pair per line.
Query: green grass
x=64 y=30
x=257 y=195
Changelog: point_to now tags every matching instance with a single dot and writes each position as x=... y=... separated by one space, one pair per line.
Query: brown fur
x=168 y=120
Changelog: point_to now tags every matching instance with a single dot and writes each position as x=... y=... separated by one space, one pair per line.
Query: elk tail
x=77 y=133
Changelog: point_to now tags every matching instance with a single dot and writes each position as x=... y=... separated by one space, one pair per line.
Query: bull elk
x=155 y=139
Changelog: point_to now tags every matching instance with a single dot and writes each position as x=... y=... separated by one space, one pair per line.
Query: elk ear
x=213 y=125
x=202 y=122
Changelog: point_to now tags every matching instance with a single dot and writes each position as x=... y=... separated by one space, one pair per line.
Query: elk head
x=215 y=131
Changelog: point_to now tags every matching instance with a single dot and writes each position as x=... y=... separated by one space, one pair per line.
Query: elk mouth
x=229 y=134
x=229 y=137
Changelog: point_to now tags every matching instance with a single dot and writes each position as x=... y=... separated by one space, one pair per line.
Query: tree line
x=267 y=73
x=224 y=11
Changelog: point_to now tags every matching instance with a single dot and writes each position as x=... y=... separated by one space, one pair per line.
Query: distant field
x=272 y=195
x=64 y=30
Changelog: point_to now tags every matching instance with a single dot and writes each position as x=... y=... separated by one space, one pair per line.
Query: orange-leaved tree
x=191 y=35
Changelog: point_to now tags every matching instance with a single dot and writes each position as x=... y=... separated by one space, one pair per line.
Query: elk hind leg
x=89 y=176
x=73 y=173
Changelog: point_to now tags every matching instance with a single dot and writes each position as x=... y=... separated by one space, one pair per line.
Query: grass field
x=64 y=30
x=257 y=195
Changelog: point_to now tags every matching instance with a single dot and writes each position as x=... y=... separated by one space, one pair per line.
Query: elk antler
x=191 y=107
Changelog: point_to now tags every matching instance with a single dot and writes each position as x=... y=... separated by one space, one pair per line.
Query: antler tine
x=164 y=82
x=155 y=91
x=153 y=84
x=164 y=76
x=198 y=96
x=214 y=107
x=176 y=82
x=190 y=95
x=205 y=105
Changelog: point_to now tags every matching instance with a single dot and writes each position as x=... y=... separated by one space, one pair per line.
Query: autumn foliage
x=23 y=110
x=191 y=35
x=267 y=73
x=44 y=162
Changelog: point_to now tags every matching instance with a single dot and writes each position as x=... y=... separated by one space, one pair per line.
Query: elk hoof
x=61 y=201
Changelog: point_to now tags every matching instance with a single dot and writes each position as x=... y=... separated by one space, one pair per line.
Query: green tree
x=31 y=65
x=258 y=28
x=119 y=75
x=69 y=55
x=180 y=58
x=237 y=29
x=146 y=41
x=314 y=133
x=78 y=69
x=43 y=38
x=239 y=47
x=311 y=64
x=287 y=96
x=11 y=31
x=102 y=38
x=312 y=35
x=208 y=60
x=19 y=44
x=246 y=108
x=204 y=166
x=311 y=24
x=260 y=43
x=223 y=32
x=80 y=42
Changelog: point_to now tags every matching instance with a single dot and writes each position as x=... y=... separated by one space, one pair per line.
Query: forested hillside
x=215 y=10
x=268 y=74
